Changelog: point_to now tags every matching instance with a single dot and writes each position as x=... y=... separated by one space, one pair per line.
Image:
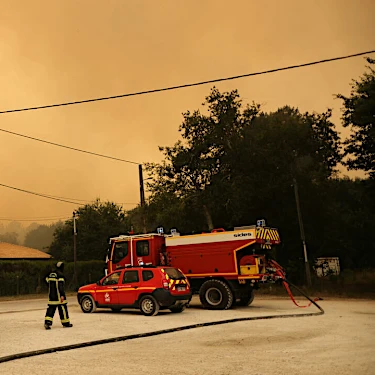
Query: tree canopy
x=234 y=158
x=41 y=237
x=96 y=222
x=236 y=163
x=9 y=237
x=359 y=116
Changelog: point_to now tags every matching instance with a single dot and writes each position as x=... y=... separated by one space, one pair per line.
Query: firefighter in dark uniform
x=57 y=297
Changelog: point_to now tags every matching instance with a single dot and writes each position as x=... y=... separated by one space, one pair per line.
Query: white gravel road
x=339 y=342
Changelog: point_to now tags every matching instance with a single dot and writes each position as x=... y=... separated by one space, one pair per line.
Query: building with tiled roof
x=9 y=251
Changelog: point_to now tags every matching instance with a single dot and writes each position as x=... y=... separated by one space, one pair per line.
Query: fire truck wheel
x=149 y=306
x=87 y=304
x=246 y=300
x=216 y=295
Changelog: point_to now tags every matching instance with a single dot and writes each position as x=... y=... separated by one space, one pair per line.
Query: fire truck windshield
x=120 y=251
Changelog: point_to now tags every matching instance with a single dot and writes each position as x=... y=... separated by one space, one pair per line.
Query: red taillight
x=165 y=284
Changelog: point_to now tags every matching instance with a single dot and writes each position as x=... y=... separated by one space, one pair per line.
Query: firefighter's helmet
x=60 y=266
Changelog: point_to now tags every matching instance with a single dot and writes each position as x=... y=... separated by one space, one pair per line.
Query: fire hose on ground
x=287 y=286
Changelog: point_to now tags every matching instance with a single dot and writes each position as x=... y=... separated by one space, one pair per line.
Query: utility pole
x=141 y=186
x=75 y=248
x=307 y=266
x=142 y=193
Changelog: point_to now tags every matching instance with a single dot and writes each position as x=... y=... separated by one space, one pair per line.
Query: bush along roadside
x=28 y=277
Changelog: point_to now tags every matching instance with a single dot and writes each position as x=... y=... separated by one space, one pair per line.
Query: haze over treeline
x=236 y=163
x=34 y=235
x=78 y=51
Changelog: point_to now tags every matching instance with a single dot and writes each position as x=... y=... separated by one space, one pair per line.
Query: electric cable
x=88 y=201
x=36 y=219
x=68 y=147
x=39 y=217
x=40 y=195
x=188 y=84
x=66 y=200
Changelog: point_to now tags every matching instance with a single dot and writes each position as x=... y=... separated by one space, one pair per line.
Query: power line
x=62 y=199
x=40 y=195
x=68 y=147
x=158 y=90
x=71 y=199
x=188 y=84
x=39 y=217
x=88 y=201
x=35 y=219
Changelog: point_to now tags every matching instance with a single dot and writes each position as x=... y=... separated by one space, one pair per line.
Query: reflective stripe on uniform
x=54 y=302
x=57 y=302
x=64 y=314
x=57 y=290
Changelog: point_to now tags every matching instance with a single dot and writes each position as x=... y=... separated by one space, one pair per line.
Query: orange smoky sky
x=58 y=51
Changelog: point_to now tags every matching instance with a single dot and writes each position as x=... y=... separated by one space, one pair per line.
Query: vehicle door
x=142 y=252
x=107 y=292
x=120 y=255
x=128 y=289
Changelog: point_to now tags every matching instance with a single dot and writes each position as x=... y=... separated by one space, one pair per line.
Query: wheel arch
x=93 y=303
x=141 y=295
x=225 y=293
x=84 y=294
x=198 y=282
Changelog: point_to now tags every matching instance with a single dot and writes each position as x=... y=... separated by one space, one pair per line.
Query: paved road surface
x=339 y=342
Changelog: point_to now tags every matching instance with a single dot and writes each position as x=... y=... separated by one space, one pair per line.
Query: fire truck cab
x=223 y=267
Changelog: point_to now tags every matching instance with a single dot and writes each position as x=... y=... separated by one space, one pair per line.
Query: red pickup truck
x=148 y=288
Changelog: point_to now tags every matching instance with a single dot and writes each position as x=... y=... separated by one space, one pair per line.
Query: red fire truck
x=224 y=267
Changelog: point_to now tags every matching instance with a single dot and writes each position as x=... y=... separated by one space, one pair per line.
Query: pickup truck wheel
x=246 y=300
x=177 y=309
x=87 y=304
x=149 y=306
x=216 y=295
